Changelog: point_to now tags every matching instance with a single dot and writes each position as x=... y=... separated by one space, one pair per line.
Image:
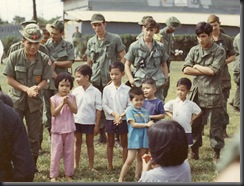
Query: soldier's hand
x=166 y=84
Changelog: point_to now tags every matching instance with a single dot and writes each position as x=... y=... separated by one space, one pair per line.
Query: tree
x=18 y=19
x=2 y=22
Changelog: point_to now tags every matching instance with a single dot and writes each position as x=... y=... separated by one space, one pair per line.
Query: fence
x=9 y=30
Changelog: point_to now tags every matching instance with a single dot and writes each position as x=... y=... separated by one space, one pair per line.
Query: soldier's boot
x=225 y=135
x=216 y=155
x=195 y=153
x=102 y=137
x=35 y=162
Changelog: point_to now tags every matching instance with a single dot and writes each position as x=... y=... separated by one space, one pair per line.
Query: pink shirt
x=64 y=122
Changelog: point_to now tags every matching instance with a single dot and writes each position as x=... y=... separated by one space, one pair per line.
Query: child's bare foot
x=69 y=178
x=53 y=180
x=110 y=168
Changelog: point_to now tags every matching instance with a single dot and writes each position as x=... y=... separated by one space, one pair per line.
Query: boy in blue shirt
x=138 y=120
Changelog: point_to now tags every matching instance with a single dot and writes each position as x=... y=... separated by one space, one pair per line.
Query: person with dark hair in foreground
x=16 y=162
x=168 y=147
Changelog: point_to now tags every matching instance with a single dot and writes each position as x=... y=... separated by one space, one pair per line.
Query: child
x=87 y=120
x=138 y=121
x=115 y=101
x=182 y=109
x=168 y=148
x=63 y=105
x=152 y=104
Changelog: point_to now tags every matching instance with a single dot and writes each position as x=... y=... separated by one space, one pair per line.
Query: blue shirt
x=137 y=137
x=154 y=107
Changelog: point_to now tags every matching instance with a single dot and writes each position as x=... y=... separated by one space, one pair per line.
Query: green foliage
x=127 y=39
x=8 y=41
x=2 y=22
x=18 y=19
x=184 y=42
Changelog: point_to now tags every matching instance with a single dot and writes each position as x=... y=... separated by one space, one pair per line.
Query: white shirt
x=115 y=100
x=88 y=101
x=182 y=111
x=179 y=173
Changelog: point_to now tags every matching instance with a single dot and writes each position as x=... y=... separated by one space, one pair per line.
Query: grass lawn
x=203 y=170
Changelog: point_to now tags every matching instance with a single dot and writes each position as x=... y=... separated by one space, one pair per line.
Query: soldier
x=205 y=62
x=235 y=103
x=76 y=38
x=103 y=49
x=42 y=48
x=27 y=71
x=19 y=44
x=226 y=42
x=168 y=40
x=148 y=58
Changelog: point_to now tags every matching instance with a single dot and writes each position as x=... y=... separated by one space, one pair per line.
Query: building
x=123 y=16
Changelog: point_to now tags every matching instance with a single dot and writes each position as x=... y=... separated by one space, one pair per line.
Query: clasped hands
x=32 y=91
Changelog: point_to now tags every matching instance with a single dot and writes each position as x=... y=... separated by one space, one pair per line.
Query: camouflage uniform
x=236 y=72
x=147 y=63
x=226 y=42
x=207 y=93
x=102 y=54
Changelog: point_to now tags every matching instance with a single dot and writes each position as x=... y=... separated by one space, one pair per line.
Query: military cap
x=24 y=23
x=32 y=33
x=143 y=19
x=58 y=25
x=97 y=18
x=213 y=18
x=172 y=21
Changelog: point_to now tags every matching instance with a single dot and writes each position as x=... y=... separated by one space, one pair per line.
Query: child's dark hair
x=64 y=76
x=135 y=91
x=84 y=70
x=149 y=81
x=184 y=81
x=167 y=143
x=118 y=65
x=203 y=27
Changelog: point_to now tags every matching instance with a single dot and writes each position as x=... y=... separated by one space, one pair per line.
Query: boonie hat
x=143 y=19
x=59 y=25
x=172 y=21
x=97 y=18
x=32 y=33
x=213 y=18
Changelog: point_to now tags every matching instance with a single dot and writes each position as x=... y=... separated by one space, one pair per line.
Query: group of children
x=129 y=111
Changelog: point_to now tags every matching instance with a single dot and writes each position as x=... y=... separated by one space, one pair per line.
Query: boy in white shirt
x=115 y=101
x=182 y=109
x=87 y=119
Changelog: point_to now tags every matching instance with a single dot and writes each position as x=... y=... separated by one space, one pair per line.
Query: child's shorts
x=84 y=129
x=189 y=138
x=111 y=128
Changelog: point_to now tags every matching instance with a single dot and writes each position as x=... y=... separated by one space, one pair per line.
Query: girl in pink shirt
x=63 y=105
